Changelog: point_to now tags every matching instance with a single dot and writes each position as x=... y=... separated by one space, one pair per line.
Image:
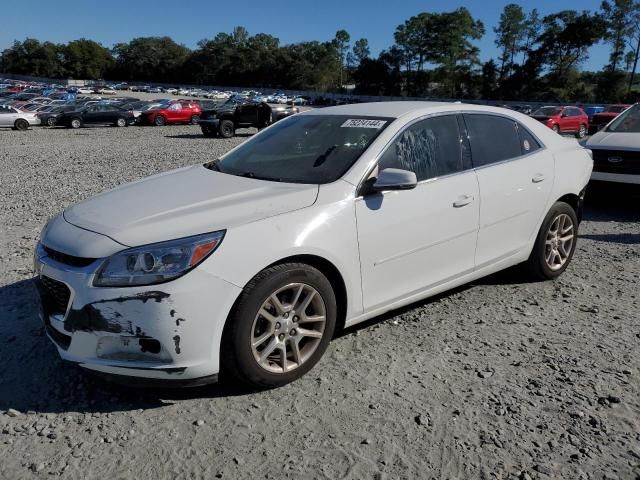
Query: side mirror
x=392 y=179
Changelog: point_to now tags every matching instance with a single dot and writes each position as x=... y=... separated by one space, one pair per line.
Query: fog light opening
x=149 y=345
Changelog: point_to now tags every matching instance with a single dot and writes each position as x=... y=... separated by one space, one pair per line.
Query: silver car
x=16 y=118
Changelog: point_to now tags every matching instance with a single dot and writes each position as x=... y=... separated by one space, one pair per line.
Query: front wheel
x=282 y=324
x=160 y=121
x=51 y=121
x=556 y=129
x=555 y=244
x=121 y=122
x=226 y=129
x=75 y=123
x=582 y=132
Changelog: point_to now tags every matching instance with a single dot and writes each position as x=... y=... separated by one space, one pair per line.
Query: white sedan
x=248 y=264
x=616 y=149
x=17 y=119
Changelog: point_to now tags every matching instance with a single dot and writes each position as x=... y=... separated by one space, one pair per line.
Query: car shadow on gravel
x=34 y=378
x=606 y=202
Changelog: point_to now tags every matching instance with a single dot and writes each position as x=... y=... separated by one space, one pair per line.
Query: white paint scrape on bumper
x=168 y=331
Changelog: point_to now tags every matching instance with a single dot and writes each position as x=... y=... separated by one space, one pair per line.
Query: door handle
x=462 y=201
x=538 y=178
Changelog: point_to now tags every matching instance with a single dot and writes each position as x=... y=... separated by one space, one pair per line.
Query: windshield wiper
x=259 y=177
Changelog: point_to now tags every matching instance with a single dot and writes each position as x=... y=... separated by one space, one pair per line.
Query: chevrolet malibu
x=247 y=265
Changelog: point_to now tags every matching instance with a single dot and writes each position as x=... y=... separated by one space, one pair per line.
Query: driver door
x=414 y=240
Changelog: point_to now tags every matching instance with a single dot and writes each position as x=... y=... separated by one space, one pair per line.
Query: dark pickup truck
x=233 y=114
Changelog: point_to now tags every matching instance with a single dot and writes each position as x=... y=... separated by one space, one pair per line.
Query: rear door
x=515 y=174
x=413 y=240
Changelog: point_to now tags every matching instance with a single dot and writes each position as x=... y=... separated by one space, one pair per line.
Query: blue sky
x=188 y=21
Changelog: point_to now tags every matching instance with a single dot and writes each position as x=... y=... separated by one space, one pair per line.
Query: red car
x=564 y=120
x=174 y=112
x=599 y=120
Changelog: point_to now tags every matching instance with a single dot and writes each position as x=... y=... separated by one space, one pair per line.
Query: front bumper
x=170 y=331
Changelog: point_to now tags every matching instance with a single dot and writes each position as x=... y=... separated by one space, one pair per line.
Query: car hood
x=185 y=202
x=614 y=141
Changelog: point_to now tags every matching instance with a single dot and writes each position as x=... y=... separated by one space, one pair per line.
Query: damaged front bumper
x=170 y=331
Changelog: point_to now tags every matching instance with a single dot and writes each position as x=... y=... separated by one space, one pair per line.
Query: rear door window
x=493 y=138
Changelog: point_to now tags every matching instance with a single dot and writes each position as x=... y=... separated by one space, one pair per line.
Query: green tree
x=511 y=31
x=86 y=59
x=621 y=17
x=342 y=44
x=157 y=59
x=361 y=50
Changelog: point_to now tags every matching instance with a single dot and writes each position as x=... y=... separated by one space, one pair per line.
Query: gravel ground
x=500 y=379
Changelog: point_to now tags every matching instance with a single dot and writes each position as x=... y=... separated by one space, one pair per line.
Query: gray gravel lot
x=499 y=379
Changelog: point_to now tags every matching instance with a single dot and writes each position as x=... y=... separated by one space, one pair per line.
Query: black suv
x=240 y=113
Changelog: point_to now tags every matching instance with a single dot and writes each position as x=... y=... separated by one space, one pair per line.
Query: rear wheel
x=21 y=124
x=160 y=121
x=226 y=129
x=195 y=119
x=556 y=129
x=555 y=244
x=75 y=123
x=281 y=326
x=582 y=132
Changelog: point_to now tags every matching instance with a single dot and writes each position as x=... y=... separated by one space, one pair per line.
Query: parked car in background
x=50 y=117
x=240 y=113
x=564 y=120
x=96 y=114
x=605 y=116
x=174 y=112
x=616 y=149
x=591 y=111
x=17 y=119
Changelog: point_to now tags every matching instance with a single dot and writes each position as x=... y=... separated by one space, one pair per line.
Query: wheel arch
x=328 y=269
x=575 y=201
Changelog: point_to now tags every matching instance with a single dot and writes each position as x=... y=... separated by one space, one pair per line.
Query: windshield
x=627 y=122
x=615 y=109
x=311 y=149
x=549 y=111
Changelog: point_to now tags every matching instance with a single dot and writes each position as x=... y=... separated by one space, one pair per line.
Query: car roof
x=381 y=109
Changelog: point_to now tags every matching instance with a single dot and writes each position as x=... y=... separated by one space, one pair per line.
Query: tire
x=582 y=132
x=51 y=121
x=21 y=124
x=195 y=119
x=538 y=263
x=278 y=331
x=226 y=129
x=121 y=122
x=556 y=129
x=159 y=121
x=75 y=123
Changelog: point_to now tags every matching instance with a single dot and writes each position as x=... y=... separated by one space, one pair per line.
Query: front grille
x=68 y=259
x=55 y=296
x=616 y=161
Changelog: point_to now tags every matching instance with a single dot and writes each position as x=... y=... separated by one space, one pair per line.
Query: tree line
x=434 y=54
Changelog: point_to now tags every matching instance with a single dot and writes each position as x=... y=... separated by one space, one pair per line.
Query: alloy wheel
x=288 y=328
x=559 y=241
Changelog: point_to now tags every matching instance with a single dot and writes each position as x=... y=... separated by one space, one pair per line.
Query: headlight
x=158 y=262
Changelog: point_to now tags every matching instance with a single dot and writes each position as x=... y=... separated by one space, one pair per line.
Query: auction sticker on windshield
x=364 y=123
